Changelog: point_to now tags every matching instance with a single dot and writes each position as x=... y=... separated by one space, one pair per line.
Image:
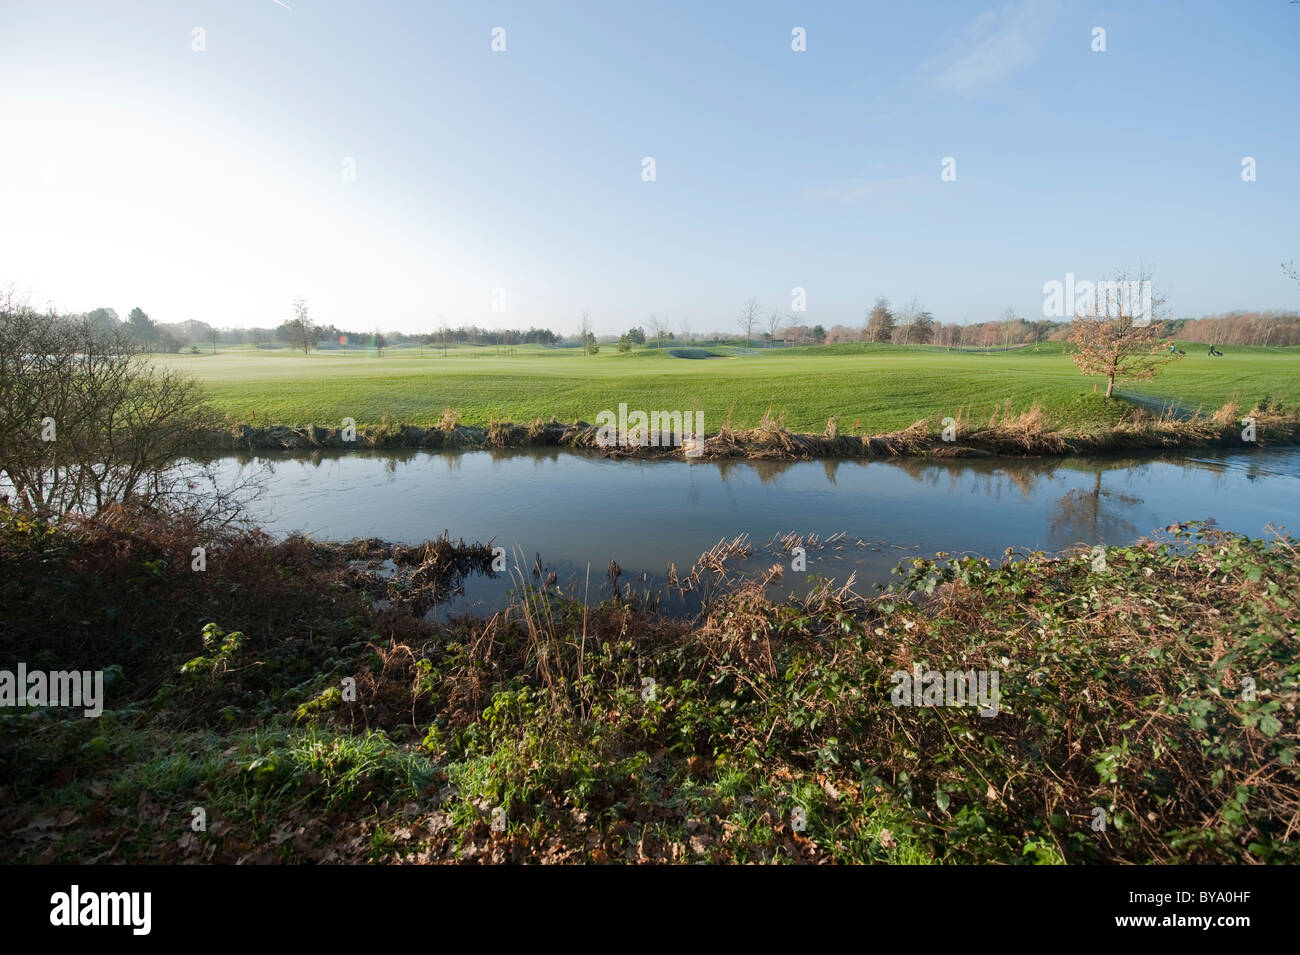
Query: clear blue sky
x=209 y=185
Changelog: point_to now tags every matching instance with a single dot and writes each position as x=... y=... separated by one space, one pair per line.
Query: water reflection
x=579 y=509
x=1087 y=514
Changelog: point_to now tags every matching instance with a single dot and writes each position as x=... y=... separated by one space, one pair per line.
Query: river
x=578 y=511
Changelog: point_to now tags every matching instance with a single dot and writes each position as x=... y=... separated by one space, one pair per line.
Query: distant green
x=883 y=387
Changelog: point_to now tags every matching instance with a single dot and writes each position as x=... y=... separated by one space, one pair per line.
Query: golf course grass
x=885 y=387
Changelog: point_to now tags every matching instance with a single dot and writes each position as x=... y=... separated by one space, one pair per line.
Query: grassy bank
x=558 y=732
x=1005 y=432
x=870 y=389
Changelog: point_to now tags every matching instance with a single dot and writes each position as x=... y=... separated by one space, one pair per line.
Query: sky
x=217 y=160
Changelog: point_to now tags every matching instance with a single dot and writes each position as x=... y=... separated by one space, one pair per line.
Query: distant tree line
x=913 y=325
x=909 y=325
x=1240 y=328
x=298 y=332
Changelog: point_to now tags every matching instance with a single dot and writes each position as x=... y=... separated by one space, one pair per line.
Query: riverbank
x=1143 y=709
x=1004 y=433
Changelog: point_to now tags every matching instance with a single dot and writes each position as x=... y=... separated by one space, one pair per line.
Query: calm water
x=578 y=511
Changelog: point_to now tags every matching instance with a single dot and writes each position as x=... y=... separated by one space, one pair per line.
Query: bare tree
x=87 y=421
x=748 y=319
x=906 y=318
x=1010 y=320
x=589 y=345
x=773 y=325
x=657 y=329
x=301 y=330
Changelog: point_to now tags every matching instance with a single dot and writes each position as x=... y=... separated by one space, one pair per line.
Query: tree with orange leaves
x=1115 y=333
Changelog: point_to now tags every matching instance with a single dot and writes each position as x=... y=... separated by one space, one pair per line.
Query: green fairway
x=885 y=387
